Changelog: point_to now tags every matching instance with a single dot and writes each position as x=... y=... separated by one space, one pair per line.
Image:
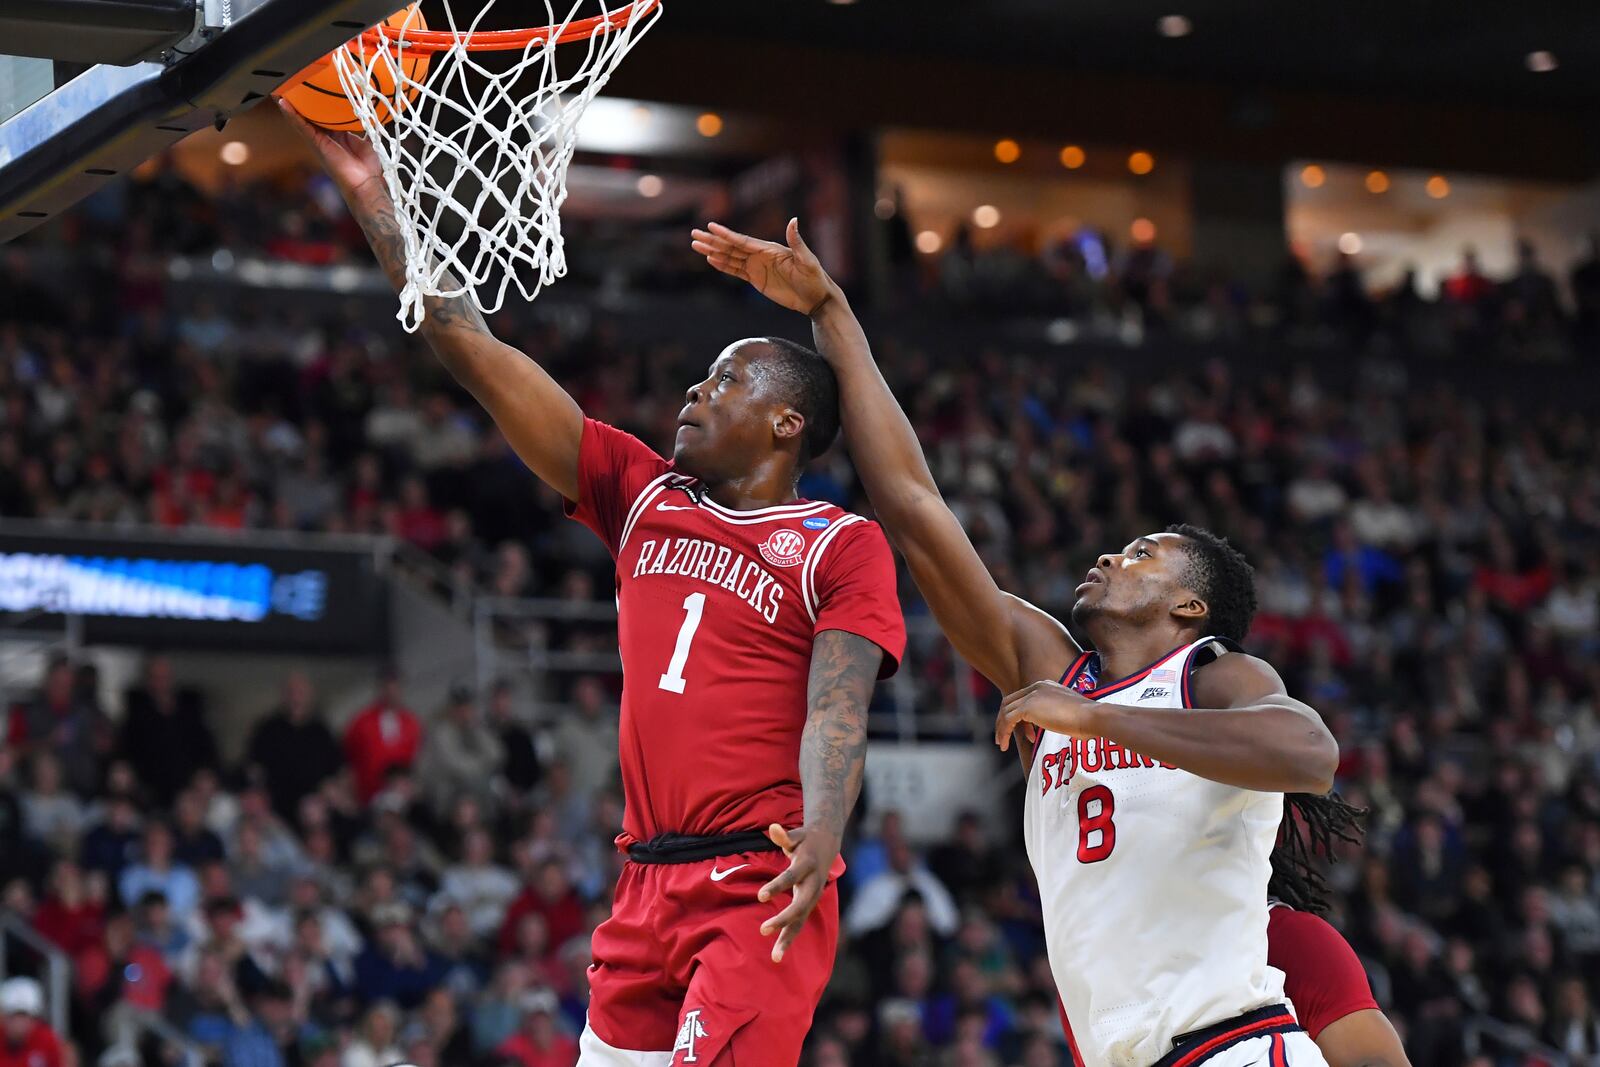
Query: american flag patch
x=1168 y=676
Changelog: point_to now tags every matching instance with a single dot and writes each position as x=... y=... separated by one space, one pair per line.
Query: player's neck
x=1125 y=650
x=767 y=485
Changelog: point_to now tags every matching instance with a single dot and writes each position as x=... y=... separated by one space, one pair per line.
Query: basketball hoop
x=475 y=158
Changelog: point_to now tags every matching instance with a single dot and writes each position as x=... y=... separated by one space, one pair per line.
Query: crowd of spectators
x=1428 y=565
x=1124 y=290
x=1137 y=292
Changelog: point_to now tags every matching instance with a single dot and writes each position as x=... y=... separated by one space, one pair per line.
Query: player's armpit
x=1362 y=1039
x=1045 y=650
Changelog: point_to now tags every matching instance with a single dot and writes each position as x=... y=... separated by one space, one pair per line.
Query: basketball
x=319 y=97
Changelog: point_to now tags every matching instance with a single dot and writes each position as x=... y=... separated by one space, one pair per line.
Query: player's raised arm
x=1008 y=640
x=539 y=419
x=1244 y=729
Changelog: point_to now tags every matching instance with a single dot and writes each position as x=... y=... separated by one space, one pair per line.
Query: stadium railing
x=28 y=640
x=57 y=967
x=517 y=636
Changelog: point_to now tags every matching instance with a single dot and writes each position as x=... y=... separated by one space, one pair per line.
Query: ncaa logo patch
x=816 y=522
x=784 y=548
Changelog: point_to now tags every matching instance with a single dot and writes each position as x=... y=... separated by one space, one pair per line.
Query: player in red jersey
x=752 y=627
x=1322 y=977
x=1325 y=982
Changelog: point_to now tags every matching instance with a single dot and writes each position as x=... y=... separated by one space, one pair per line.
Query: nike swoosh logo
x=717 y=876
x=676 y=507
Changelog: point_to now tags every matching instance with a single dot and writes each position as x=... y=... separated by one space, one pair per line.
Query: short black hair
x=1223 y=578
x=810 y=385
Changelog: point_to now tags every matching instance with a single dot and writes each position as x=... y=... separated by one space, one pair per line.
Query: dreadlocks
x=1311 y=825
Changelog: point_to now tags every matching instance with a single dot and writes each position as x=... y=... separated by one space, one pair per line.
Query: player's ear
x=787 y=423
x=1190 y=608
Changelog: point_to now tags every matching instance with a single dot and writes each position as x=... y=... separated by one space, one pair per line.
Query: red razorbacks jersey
x=717 y=610
x=1322 y=977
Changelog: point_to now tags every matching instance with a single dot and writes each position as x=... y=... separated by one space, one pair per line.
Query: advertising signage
x=136 y=587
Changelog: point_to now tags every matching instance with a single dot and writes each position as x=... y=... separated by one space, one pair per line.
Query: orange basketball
x=318 y=95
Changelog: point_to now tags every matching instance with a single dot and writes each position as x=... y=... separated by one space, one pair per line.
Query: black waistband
x=1197 y=1046
x=681 y=848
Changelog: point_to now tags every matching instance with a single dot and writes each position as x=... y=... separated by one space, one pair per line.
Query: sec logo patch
x=816 y=522
x=784 y=548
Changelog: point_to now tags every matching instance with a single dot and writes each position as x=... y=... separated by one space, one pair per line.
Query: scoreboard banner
x=135 y=587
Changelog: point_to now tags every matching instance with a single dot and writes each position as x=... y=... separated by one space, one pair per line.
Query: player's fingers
x=289 y=111
x=717 y=248
x=728 y=267
x=742 y=241
x=781 y=884
x=297 y=121
x=1025 y=690
x=710 y=238
x=805 y=898
x=723 y=249
x=798 y=243
x=1005 y=723
x=713 y=250
x=1021 y=696
x=786 y=938
x=731 y=235
x=784 y=838
x=788 y=915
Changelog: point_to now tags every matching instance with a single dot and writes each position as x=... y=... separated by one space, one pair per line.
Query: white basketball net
x=476 y=158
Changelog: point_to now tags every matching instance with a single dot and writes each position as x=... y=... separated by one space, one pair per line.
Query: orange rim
x=510 y=40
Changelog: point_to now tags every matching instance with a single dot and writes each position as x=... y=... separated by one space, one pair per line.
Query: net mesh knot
x=475 y=158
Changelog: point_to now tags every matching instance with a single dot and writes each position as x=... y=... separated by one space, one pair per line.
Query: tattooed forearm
x=376 y=216
x=540 y=421
x=833 y=749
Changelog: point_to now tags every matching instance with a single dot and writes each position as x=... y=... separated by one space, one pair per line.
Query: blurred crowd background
x=419 y=884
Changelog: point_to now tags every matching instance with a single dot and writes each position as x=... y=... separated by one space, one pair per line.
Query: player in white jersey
x=1156 y=784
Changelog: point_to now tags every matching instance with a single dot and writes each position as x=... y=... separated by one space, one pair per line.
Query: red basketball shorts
x=683 y=975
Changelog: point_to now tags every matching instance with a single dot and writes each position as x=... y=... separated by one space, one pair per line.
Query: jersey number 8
x=1090 y=849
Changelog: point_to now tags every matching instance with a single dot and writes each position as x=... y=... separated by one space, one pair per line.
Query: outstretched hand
x=810 y=860
x=347 y=156
x=787 y=275
x=1047 y=706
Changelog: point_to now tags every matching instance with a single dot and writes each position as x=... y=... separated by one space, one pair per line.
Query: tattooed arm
x=539 y=419
x=833 y=751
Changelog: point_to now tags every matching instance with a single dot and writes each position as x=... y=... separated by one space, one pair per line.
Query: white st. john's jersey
x=1153 y=880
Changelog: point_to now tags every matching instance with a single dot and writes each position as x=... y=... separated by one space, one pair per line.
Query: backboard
x=95 y=87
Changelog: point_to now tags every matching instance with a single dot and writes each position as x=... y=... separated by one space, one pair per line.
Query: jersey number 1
x=693 y=606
